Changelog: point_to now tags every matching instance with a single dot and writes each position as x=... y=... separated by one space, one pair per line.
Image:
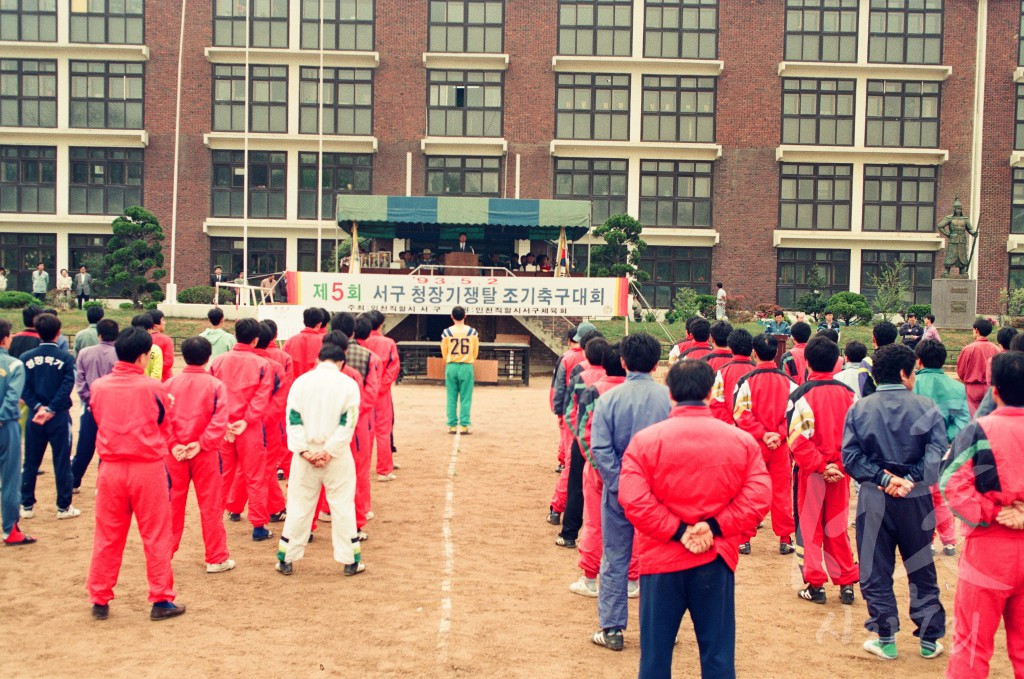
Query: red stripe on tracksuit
x=387 y=351
x=570 y=360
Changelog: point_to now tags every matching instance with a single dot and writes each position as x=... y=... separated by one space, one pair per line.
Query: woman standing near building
x=64 y=288
x=3 y=279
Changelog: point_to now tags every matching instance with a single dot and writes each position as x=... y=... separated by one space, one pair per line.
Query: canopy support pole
x=562 y=265
x=353 y=261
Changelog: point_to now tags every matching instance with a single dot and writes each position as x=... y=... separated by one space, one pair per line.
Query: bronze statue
x=955 y=228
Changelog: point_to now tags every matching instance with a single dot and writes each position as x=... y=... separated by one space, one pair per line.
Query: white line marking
x=449 y=553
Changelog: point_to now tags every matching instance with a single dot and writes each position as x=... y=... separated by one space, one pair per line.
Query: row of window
x=116 y=22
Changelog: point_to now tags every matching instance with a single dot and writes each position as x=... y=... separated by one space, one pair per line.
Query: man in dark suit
x=462 y=245
x=217 y=277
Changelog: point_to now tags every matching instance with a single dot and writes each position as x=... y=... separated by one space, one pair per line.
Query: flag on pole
x=563 y=256
x=353 y=262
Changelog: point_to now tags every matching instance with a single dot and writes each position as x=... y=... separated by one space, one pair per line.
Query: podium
x=781 y=350
x=462 y=259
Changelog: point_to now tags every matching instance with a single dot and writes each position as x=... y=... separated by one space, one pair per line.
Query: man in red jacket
x=131 y=412
x=722 y=354
x=760 y=410
x=387 y=352
x=305 y=346
x=200 y=420
x=972 y=367
x=724 y=390
x=691 y=517
x=249 y=381
x=701 y=347
x=570 y=333
x=816 y=415
x=165 y=343
x=983 y=481
x=560 y=385
x=793 y=362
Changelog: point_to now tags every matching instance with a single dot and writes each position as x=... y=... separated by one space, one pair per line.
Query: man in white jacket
x=323 y=406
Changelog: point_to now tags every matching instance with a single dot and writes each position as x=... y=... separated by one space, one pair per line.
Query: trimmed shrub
x=920 y=310
x=126 y=306
x=14 y=299
x=203 y=294
x=95 y=302
x=850 y=307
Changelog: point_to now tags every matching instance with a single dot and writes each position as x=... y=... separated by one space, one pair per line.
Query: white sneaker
x=76 y=491
x=395 y=465
x=26 y=512
x=585 y=587
x=369 y=516
x=633 y=589
x=69 y=513
x=323 y=516
x=220 y=567
x=386 y=477
x=362 y=537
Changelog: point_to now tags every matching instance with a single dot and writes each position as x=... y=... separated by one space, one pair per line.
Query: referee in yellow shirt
x=460 y=345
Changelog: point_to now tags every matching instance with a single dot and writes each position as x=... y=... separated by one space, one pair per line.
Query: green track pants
x=458 y=379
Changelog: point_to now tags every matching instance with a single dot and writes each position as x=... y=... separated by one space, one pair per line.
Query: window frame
x=902 y=119
x=486 y=80
x=701 y=85
x=466 y=26
x=614 y=86
x=1017 y=201
x=1020 y=37
x=697 y=171
x=920 y=287
x=21 y=15
x=1016 y=264
x=595 y=28
x=462 y=171
x=232 y=74
x=274 y=74
x=21 y=71
x=104 y=18
x=356 y=78
x=234 y=161
x=818 y=93
x=1018 y=129
x=609 y=171
x=804 y=7
x=334 y=164
x=903 y=174
x=128 y=159
x=27 y=250
x=337 y=26
x=258 y=249
x=25 y=156
x=682 y=35
x=107 y=77
x=888 y=7
x=815 y=172
x=650 y=260
x=828 y=265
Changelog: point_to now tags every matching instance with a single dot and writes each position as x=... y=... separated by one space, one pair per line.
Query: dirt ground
x=511 y=613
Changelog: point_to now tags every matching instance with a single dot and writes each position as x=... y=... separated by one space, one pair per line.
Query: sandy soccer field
x=463 y=579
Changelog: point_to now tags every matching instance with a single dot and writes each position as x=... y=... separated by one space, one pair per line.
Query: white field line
x=449 y=553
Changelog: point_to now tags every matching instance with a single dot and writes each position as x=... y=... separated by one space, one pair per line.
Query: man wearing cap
x=563 y=375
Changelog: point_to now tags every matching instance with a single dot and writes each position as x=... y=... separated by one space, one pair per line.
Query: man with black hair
x=155 y=365
x=973 y=363
x=910 y=332
x=198 y=424
x=893 y=444
x=830 y=323
x=778 y=324
x=722 y=354
x=12 y=382
x=91 y=364
x=686 y=343
x=320 y=431
x=983 y=481
x=562 y=446
x=28 y=338
x=690 y=516
x=305 y=346
x=950 y=396
x=815 y=416
x=219 y=339
x=701 y=331
x=165 y=343
x=384 y=409
x=759 y=408
x=618 y=415
x=133 y=419
x=855 y=373
x=49 y=380
x=1005 y=336
x=724 y=390
x=89 y=336
x=793 y=363
x=882 y=335
x=460 y=345
x=249 y=381
x=559 y=384
x=930 y=331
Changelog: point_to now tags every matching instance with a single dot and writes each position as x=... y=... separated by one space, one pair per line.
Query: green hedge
x=13 y=299
x=920 y=310
x=203 y=294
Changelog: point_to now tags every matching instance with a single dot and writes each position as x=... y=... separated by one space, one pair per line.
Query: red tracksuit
x=570 y=360
x=972 y=367
x=249 y=380
x=816 y=416
x=983 y=473
x=387 y=351
x=696 y=351
x=724 y=389
x=304 y=348
x=133 y=428
x=718 y=358
x=166 y=345
x=687 y=342
x=562 y=450
x=794 y=364
x=362 y=442
x=759 y=408
x=322 y=505
x=200 y=413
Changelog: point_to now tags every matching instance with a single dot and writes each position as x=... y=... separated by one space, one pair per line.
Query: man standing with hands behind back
x=460 y=345
x=83 y=285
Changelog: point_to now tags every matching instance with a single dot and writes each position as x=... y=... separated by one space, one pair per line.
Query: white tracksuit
x=323 y=406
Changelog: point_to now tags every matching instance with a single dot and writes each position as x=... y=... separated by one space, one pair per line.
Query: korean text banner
x=479 y=295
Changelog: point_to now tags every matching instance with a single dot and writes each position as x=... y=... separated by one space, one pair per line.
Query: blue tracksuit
x=12 y=381
x=623 y=411
x=902 y=433
x=49 y=380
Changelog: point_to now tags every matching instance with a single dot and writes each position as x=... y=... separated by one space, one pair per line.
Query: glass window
x=88 y=250
x=307 y=254
x=796 y=265
x=466 y=25
x=348 y=100
x=266 y=256
x=28 y=179
x=268 y=23
x=28 y=93
x=348 y=24
x=1020 y=33
x=343 y=173
x=592 y=106
x=901 y=113
x=104 y=181
x=818 y=111
x=899 y=198
x=1018 y=130
x=28 y=21
x=267 y=190
x=918 y=272
x=1016 y=281
x=106 y=95
x=268 y=108
x=602 y=182
x=681 y=29
x=675 y=194
x=815 y=197
x=595 y=27
x=905 y=32
x=464 y=103
x=821 y=30
x=228 y=98
x=21 y=252
x=1017 y=202
x=463 y=176
x=117 y=22
x=678 y=108
x=229 y=23
x=672 y=268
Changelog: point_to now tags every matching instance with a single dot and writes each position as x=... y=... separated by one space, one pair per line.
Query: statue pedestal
x=955 y=302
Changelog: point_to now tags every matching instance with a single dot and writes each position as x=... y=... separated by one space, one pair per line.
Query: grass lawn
x=73 y=321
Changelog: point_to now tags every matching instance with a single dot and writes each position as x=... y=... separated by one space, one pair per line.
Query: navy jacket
x=49 y=378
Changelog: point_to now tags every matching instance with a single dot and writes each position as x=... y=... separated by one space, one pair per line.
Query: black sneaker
x=284 y=567
x=234 y=517
x=609 y=638
x=559 y=468
x=100 y=611
x=786 y=548
x=280 y=475
x=354 y=568
x=260 y=533
x=745 y=548
x=816 y=595
x=565 y=542
x=846 y=595
x=164 y=612
x=949 y=550
x=278 y=517
x=554 y=518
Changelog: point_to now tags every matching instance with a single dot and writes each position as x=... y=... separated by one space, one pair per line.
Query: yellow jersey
x=460 y=344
